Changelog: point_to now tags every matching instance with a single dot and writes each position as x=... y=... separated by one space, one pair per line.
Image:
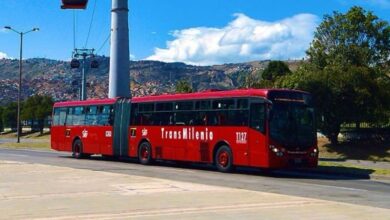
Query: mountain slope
x=57 y=79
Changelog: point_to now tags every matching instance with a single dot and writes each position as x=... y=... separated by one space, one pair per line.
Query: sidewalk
x=36 y=191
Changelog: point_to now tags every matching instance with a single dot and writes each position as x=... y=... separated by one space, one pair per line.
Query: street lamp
x=20 y=74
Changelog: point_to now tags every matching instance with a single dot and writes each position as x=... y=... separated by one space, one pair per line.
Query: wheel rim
x=144 y=153
x=223 y=159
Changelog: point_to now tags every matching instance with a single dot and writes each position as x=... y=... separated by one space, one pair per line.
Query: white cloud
x=3 y=55
x=244 y=39
x=132 y=57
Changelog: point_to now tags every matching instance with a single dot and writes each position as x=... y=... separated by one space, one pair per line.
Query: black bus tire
x=224 y=159
x=145 y=153
x=77 y=149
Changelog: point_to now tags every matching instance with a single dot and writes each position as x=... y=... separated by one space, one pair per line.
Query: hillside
x=57 y=79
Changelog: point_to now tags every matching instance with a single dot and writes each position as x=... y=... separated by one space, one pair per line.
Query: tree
x=9 y=115
x=183 y=87
x=274 y=70
x=355 y=38
x=1 y=120
x=346 y=70
x=267 y=78
x=37 y=108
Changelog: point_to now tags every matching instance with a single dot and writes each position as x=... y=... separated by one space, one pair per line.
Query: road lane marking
x=334 y=187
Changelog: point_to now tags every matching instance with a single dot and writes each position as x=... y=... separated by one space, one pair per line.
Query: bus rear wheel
x=224 y=159
x=77 y=150
x=145 y=153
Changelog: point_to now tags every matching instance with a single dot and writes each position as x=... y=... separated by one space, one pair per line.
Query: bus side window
x=105 y=115
x=91 y=117
x=56 y=116
x=69 y=116
x=79 y=115
x=257 y=117
x=59 y=116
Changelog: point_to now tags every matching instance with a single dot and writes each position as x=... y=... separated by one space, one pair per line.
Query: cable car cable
x=74 y=29
x=104 y=43
x=90 y=24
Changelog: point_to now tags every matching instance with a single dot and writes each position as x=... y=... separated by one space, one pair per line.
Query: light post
x=20 y=74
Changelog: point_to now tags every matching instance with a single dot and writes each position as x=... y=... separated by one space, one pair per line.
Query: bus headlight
x=314 y=152
x=276 y=150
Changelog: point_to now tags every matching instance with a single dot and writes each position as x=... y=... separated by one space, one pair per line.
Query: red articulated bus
x=265 y=128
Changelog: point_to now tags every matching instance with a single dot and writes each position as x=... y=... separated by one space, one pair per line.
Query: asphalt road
x=352 y=190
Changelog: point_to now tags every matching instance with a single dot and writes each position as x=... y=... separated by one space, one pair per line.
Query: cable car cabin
x=75 y=63
x=94 y=64
x=74 y=4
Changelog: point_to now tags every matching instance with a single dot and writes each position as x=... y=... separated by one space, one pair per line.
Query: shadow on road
x=322 y=172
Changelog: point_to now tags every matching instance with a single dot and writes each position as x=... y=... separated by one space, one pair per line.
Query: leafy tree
x=266 y=79
x=274 y=70
x=355 y=38
x=37 y=108
x=183 y=87
x=9 y=115
x=1 y=120
x=346 y=70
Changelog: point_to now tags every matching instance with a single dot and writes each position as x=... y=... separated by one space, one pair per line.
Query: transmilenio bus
x=264 y=128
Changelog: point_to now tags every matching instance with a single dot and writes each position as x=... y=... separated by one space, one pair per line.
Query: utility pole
x=119 y=79
x=84 y=54
x=18 y=127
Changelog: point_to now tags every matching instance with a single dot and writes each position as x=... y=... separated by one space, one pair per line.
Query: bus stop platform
x=36 y=191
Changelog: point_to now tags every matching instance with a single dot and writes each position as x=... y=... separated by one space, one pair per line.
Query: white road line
x=334 y=187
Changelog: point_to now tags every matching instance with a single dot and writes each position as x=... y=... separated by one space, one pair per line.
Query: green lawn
x=368 y=150
x=30 y=140
x=44 y=145
x=345 y=167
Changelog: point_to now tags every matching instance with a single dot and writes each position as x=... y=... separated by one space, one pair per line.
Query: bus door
x=257 y=133
x=105 y=123
x=91 y=132
x=58 y=129
x=121 y=128
x=74 y=125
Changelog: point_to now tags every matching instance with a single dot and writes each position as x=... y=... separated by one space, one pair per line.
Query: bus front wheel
x=77 y=150
x=224 y=159
x=145 y=153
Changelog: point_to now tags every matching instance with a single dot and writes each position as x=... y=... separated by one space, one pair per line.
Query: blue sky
x=200 y=32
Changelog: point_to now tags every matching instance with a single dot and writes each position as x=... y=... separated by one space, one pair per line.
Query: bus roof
x=182 y=96
x=86 y=102
x=211 y=94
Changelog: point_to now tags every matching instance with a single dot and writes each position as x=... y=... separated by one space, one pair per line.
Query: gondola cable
x=74 y=29
x=104 y=43
x=90 y=24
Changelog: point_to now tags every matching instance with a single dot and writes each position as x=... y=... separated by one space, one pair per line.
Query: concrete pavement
x=36 y=191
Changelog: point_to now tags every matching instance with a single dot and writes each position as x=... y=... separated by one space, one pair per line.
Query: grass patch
x=346 y=167
x=28 y=135
x=358 y=150
x=29 y=145
x=28 y=140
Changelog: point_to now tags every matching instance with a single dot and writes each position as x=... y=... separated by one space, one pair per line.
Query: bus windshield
x=292 y=125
